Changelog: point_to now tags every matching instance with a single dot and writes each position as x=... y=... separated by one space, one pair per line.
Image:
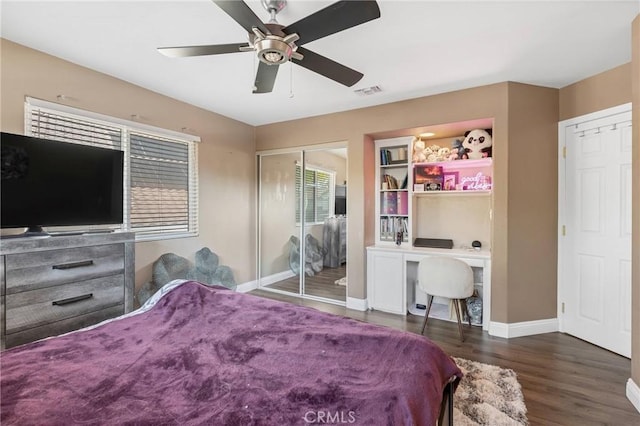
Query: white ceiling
x=416 y=48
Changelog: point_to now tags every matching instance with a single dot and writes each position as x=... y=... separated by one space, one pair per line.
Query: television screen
x=341 y=200
x=51 y=183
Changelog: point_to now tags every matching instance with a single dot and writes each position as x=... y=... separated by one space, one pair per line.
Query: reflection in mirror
x=304 y=191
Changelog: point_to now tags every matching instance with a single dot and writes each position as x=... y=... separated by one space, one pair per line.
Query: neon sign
x=479 y=182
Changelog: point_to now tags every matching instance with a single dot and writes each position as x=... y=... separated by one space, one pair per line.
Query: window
x=318 y=194
x=161 y=186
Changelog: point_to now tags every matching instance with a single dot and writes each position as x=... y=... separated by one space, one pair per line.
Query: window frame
x=126 y=127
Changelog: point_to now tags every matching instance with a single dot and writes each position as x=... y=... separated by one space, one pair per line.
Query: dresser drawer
x=35 y=308
x=31 y=271
x=60 y=327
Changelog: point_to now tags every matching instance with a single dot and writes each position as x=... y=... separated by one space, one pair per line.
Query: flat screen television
x=340 y=200
x=51 y=183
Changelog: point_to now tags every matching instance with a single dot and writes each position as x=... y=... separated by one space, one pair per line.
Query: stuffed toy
x=419 y=154
x=432 y=156
x=477 y=143
x=432 y=153
x=443 y=154
x=457 y=151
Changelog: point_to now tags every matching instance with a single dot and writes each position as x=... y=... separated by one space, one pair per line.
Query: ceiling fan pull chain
x=254 y=88
x=290 y=79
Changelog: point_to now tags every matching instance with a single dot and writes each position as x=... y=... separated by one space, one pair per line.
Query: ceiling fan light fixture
x=272 y=57
x=273 y=51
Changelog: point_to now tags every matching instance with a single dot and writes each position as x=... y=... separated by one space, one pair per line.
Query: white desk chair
x=446 y=277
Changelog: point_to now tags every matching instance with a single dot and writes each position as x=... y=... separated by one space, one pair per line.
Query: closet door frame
x=291 y=150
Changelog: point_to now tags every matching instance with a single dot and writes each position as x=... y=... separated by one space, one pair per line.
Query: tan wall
x=226 y=165
x=604 y=90
x=403 y=118
x=461 y=219
x=635 y=245
x=325 y=159
x=533 y=202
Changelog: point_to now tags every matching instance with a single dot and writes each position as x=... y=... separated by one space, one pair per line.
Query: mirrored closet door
x=302 y=215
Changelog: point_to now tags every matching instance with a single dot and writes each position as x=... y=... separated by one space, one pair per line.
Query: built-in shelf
x=460 y=164
x=446 y=200
x=452 y=193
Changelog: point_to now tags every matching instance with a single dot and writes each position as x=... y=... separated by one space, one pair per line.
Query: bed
x=196 y=354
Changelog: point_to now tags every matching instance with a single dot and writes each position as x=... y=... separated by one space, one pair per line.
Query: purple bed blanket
x=207 y=355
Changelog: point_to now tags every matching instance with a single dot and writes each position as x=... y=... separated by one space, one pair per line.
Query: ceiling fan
x=276 y=44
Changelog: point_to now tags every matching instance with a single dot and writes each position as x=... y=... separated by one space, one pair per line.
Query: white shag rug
x=341 y=281
x=488 y=395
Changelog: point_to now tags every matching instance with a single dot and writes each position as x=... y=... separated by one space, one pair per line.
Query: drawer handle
x=73 y=265
x=72 y=299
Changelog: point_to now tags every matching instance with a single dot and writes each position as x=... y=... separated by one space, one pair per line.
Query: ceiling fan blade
x=214 y=49
x=265 y=78
x=328 y=68
x=242 y=14
x=332 y=19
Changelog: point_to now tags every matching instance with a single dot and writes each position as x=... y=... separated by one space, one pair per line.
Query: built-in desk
x=392 y=277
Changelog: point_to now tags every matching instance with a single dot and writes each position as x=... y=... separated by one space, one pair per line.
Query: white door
x=595 y=218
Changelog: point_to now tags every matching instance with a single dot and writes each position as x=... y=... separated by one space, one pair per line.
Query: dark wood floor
x=565 y=381
x=321 y=284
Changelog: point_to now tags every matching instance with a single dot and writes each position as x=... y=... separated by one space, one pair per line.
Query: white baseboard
x=526 y=328
x=633 y=393
x=252 y=285
x=357 y=304
x=247 y=287
x=280 y=276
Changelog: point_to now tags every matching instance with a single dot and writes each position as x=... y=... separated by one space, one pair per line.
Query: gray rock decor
x=294 y=254
x=170 y=266
x=208 y=271
x=167 y=268
x=314 y=255
x=147 y=290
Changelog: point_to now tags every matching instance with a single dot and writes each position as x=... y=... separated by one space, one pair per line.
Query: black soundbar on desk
x=433 y=243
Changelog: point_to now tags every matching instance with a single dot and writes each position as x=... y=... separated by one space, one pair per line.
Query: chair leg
x=456 y=305
x=426 y=314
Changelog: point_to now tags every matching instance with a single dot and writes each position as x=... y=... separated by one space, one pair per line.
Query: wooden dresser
x=53 y=285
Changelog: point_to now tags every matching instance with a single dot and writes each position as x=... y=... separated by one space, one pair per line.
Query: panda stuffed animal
x=477 y=143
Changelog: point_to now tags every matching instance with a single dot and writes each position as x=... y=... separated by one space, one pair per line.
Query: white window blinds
x=51 y=125
x=161 y=176
x=318 y=194
x=161 y=200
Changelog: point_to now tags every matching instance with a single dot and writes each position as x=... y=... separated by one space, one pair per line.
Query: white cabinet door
x=385 y=278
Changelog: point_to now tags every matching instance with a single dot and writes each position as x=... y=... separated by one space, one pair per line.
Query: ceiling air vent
x=368 y=91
